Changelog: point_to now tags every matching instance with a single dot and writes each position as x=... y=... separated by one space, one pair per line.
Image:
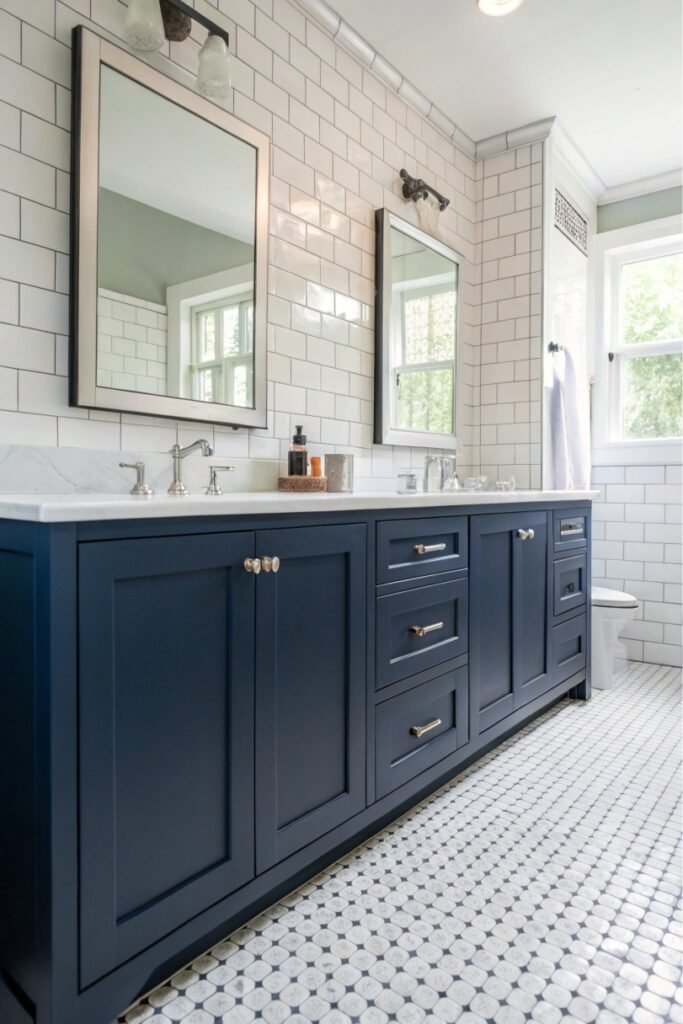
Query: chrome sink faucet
x=178 y=488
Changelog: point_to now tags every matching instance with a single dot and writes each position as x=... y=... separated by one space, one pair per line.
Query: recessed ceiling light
x=497 y=8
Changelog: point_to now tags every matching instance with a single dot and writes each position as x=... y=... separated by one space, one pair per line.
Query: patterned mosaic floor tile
x=542 y=885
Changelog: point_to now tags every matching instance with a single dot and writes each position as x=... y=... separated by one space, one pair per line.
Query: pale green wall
x=627 y=212
x=142 y=250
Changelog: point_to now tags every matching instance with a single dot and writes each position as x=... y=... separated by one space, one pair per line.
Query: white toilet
x=610 y=611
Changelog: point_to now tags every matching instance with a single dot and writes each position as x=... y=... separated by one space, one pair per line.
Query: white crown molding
x=359 y=48
x=575 y=159
x=537 y=131
x=642 y=187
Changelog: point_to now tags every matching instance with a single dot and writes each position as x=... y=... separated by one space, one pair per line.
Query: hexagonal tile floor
x=542 y=885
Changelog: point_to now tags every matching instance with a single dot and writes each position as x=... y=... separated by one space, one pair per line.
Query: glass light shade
x=213 y=77
x=428 y=214
x=497 y=8
x=144 y=26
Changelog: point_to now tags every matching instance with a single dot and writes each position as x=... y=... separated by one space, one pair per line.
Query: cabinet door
x=165 y=736
x=310 y=686
x=509 y=640
x=532 y=609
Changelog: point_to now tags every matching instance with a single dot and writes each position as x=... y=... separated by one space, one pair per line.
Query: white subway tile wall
x=511 y=281
x=339 y=139
x=637 y=548
x=131 y=343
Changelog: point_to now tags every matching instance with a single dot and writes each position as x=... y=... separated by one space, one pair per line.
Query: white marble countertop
x=63 y=508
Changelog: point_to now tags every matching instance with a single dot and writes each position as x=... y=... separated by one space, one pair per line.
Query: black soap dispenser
x=298 y=454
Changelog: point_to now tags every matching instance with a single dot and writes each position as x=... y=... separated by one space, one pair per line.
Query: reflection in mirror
x=417 y=315
x=176 y=244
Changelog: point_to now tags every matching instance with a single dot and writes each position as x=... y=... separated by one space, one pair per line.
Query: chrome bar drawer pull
x=420 y=730
x=526 y=534
x=429 y=549
x=423 y=630
x=270 y=564
x=253 y=565
x=567 y=528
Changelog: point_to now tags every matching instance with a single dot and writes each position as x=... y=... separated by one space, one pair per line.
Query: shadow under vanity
x=186 y=739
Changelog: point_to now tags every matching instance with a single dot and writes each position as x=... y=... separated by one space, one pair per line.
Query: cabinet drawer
x=570 y=584
x=418 y=729
x=408 y=549
x=420 y=628
x=570 y=530
x=569 y=642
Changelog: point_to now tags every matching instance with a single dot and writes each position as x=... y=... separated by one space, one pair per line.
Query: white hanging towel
x=569 y=420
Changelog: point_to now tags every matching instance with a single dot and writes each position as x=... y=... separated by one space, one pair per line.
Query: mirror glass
x=418 y=337
x=175 y=250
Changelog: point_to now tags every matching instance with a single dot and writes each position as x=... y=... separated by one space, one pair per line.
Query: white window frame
x=402 y=368
x=225 y=363
x=611 y=250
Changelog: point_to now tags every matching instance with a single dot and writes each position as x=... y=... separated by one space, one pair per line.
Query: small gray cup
x=339 y=472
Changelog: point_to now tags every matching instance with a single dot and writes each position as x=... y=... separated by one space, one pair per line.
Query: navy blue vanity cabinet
x=509 y=610
x=166 y=748
x=187 y=740
x=571 y=592
x=310 y=685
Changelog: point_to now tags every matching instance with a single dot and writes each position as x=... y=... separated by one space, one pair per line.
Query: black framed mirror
x=170 y=234
x=417 y=311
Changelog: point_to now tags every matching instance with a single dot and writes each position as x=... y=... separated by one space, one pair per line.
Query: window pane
x=249 y=345
x=207 y=383
x=231 y=330
x=652 y=300
x=240 y=380
x=652 y=396
x=207 y=336
x=425 y=401
x=429 y=327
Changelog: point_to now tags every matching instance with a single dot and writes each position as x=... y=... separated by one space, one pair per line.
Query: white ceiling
x=160 y=154
x=610 y=70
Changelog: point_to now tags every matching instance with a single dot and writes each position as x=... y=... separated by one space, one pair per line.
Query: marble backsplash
x=35 y=470
x=32 y=469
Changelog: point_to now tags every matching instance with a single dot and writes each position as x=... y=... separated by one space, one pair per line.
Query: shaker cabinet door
x=509 y=613
x=310 y=686
x=166 y=722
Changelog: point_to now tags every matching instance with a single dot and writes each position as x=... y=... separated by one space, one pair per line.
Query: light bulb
x=497 y=8
x=144 y=26
x=213 y=77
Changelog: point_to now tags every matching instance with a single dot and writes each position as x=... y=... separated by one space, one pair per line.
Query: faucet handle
x=214 y=487
x=139 y=487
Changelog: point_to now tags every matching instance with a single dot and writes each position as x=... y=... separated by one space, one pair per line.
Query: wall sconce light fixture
x=416 y=188
x=149 y=22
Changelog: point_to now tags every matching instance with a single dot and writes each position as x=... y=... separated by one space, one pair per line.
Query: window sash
x=223 y=364
x=410 y=295
x=414 y=368
x=617 y=349
x=616 y=391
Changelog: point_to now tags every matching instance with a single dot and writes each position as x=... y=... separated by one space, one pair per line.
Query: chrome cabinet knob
x=253 y=565
x=270 y=564
x=526 y=534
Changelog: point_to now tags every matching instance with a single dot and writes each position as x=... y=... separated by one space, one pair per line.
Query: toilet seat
x=603 y=597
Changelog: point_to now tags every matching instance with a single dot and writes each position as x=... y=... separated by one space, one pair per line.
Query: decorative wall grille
x=571 y=223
